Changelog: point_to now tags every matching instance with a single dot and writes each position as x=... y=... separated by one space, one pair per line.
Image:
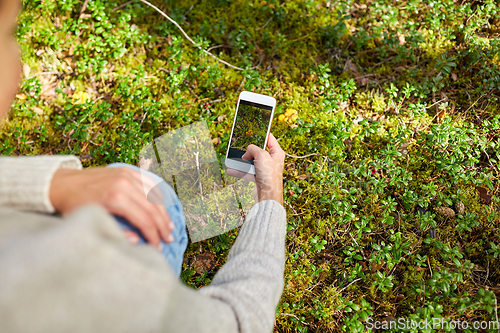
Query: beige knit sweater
x=80 y=274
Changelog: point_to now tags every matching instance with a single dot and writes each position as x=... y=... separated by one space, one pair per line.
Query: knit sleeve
x=251 y=281
x=25 y=180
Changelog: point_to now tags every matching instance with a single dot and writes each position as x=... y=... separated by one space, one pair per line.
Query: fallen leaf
x=454 y=76
x=348 y=144
x=402 y=40
x=38 y=111
x=364 y=266
x=403 y=148
x=203 y=262
x=483 y=193
x=302 y=177
x=22 y=97
x=145 y=163
x=327 y=256
x=351 y=67
x=363 y=81
x=221 y=118
x=216 y=141
x=49 y=85
x=377 y=267
x=26 y=70
x=441 y=114
x=400 y=69
x=419 y=269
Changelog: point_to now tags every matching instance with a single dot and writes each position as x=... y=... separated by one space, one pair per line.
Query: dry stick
x=286 y=203
x=199 y=175
x=84 y=6
x=43 y=73
x=496 y=310
x=189 y=38
x=122 y=5
x=341 y=290
x=294 y=316
x=313 y=154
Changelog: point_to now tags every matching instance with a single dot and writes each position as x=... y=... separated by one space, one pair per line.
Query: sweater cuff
x=25 y=181
x=264 y=229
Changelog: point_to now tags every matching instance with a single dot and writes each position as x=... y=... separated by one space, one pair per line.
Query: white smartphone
x=251 y=125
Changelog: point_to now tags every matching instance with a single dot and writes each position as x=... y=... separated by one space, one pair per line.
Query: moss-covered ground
x=398 y=118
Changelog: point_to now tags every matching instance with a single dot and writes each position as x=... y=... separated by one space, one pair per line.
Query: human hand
x=268 y=176
x=121 y=192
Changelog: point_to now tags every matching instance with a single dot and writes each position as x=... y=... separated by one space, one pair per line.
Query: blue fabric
x=173 y=252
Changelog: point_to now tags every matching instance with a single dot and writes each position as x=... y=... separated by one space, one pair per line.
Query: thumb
x=252 y=152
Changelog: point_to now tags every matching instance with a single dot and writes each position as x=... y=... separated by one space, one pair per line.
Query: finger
x=274 y=147
x=165 y=228
x=149 y=186
x=272 y=142
x=253 y=152
x=157 y=213
x=132 y=236
x=240 y=174
x=125 y=206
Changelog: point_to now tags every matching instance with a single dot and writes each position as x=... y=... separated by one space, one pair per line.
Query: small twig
x=122 y=6
x=382 y=62
x=216 y=203
x=294 y=316
x=291 y=207
x=224 y=46
x=189 y=10
x=265 y=25
x=496 y=310
x=189 y=38
x=430 y=268
x=142 y=121
x=300 y=38
x=477 y=100
x=313 y=154
x=363 y=76
x=346 y=62
x=199 y=175
x=430 y=106
x=341 y=290
x=241 y=84
x=84 y=6
x=165 y=70
x=362 y=252
x=487 y=273
x=42 y=73
x=192 y=91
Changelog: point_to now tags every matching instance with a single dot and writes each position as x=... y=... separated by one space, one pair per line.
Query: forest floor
x=392 y=106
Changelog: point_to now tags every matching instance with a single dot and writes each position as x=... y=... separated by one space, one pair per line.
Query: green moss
x=364 y=187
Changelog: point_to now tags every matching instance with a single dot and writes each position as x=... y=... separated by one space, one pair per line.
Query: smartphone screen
x=250 y=127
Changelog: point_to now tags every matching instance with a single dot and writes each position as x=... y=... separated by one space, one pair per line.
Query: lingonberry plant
x=392 y=107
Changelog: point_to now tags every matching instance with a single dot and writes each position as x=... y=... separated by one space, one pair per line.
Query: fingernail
x=170 y=238
x=133 y=239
